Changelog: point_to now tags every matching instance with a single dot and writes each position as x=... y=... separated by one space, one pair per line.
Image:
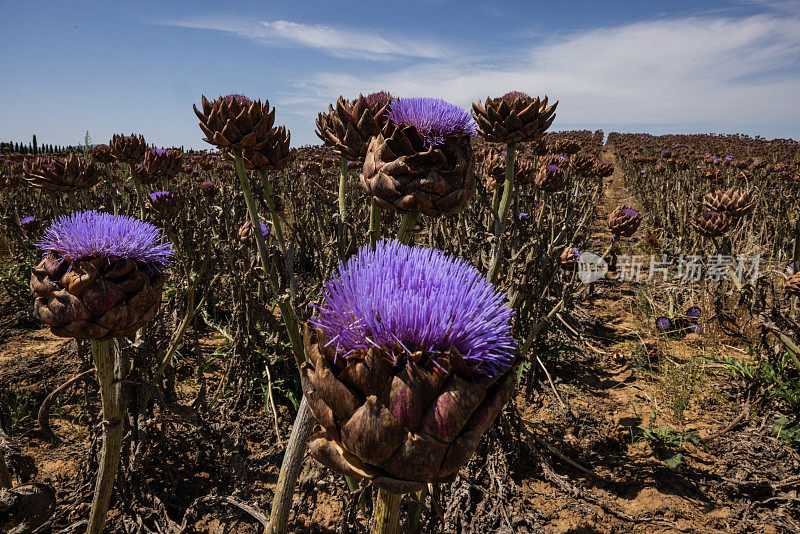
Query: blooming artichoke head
x=411 y=353
x=101 y=275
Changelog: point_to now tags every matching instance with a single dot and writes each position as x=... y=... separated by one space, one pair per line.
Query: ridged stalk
x=406 y=231
x=112 y=398
x=290 y=469
x=342 y=206
x=502 y=215
x=374 y=223
x=387 y=513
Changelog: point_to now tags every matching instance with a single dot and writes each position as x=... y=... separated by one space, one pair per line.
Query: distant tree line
x=34 y=148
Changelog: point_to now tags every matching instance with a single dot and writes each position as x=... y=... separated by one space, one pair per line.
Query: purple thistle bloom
x=664 y=324
x=630 y=212
x=90 y=234
x=693 y=312
x=523 y=216
x=240 y=99
x=27 y=220
x=553 y=168
x=406 y=299
x=158 y=195
x=378 y=99
x=264 y=229
x=433 y=118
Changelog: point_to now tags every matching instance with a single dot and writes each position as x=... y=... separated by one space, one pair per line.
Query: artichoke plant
x=411 y=359
x=513 y=118
x=422 y=161
x=246 y=233
x=550 y=178
x=733 y=201
x=236 y=122
x=100 y=278
x=162 y=163
x=712 y=223
x=165 y=204
x=624 y=221
x=351 y=125
x=128 y=148
x=56 y=175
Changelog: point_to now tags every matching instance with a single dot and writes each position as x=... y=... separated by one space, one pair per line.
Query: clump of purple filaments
x=630 y=212
x=238 y=98
x=417 y=299
x=517 y=95
x=91 y=234
x=378 y=99
x=664 y=324
x=433 y=118
x=27 y=220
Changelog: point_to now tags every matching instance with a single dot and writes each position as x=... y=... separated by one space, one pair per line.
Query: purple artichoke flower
x=92 y=234
x=238 y=98
x=523 y=216
x=408 y=299
x=664 y=324
x=693 y=313
x=433 y=118
x=630 y=212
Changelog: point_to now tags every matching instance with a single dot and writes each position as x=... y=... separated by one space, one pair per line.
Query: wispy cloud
x=335 y=41
x=698 y=70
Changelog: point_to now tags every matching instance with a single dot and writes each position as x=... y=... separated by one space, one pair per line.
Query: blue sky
x=667 y=66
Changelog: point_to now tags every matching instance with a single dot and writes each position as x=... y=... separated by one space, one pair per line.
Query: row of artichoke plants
x=736 y=199
x=408 y=268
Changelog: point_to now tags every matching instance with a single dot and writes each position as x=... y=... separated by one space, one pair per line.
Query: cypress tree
x=35 y=149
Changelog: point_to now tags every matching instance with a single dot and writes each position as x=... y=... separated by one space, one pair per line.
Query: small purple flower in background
x=693 y=313
x=29 y=224
x=91 y=234
x=523 y=216
x=406 y=299
x=630 y=212
x=664 y=324
x=433 y=118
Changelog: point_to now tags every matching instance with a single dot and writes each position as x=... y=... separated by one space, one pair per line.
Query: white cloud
x=698 y=70
x=337 y=42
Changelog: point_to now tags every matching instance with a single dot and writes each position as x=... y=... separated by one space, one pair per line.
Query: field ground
x=631 y=433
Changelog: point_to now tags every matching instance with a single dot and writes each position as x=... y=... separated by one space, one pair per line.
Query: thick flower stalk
x=101 y=278
x=411 y=357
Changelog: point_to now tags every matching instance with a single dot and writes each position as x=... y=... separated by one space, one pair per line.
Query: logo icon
x=591 y=268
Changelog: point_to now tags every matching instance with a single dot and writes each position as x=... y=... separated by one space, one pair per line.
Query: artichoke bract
x=624 y=221
x=733 y=202
x=513 y=118
x=712 y=223
x=57 y=175
x=273 y=152
x=422 y=161
x=101 y=276
x=793 y=285
x=411 y=358
x=128 y=148
x=350 y=126
x=246 y=233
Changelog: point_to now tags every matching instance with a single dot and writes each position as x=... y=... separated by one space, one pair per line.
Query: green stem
x=290 y=469
x=139 y=191
x=111 y=396
x=416 y=509
x=112 y=189
x=87 y=200
x=406 y=231
x=342 y=206
x=374 y=223
x=502 y=215
x=54 y=206
x=387 y=513
x=287 y=312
